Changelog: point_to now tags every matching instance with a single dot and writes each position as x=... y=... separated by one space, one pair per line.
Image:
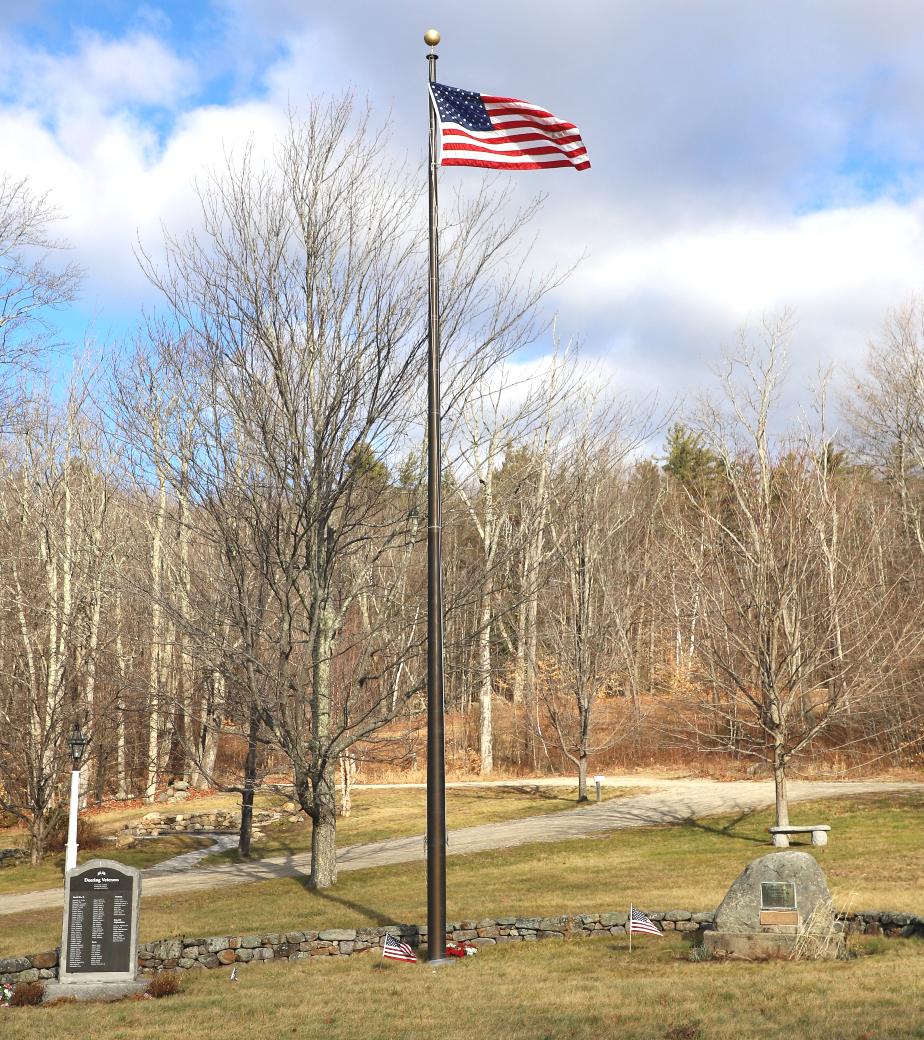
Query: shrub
x=28 y=994
x=689 y=1031
x=164 y=984
x=88 y=835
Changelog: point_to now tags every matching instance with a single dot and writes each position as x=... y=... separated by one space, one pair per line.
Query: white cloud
x=100 y=75
x=686 y=216
x=825 y=259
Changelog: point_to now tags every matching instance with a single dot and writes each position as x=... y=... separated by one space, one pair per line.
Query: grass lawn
x=582 y=990
x=377 y=814
x=875 y=861
x=25 y=878
x=397 y=813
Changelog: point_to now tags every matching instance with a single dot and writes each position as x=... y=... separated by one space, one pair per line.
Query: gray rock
x=14 y=964
x=553 y=924
x=740 y=909
x=338 y=935
x=608 y=920
x=10 y=856
x=678 y=915
x=217 y=944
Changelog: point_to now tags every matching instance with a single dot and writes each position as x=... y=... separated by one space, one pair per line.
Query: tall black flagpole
x=436 y=760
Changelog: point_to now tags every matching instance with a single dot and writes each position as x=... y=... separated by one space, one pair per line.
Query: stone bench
x=818 y=831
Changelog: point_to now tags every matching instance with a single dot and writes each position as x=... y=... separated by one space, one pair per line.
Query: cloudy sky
x=746 y=156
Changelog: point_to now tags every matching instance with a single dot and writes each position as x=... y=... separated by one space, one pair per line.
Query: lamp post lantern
x=77 y=742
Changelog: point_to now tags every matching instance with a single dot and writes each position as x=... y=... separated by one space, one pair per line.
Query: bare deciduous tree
x=297 y=367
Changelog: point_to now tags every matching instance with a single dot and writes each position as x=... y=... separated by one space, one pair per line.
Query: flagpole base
x=441 y=962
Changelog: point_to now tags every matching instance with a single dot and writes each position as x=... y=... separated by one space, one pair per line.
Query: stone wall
x=10 y=857
x=160 y=822
x=219 y=951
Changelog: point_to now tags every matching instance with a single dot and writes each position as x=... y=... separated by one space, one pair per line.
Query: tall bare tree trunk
x=250 y=777
x=156 y=665
x=323 y=810
x=348 y=770
x=486 y=742
x=122 y=664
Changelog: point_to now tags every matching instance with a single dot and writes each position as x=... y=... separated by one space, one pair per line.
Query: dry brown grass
x=26 y=878
x=585 y=990
x=876 y=856
x=381 y=814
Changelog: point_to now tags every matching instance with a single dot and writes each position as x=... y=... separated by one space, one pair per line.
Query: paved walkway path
x=673 y=801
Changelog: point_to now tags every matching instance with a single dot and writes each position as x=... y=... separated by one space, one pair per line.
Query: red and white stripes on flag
x=503 y=133
x=640 y=923
x=398 y=951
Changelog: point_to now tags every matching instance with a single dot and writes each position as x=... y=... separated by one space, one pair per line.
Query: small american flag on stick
x=639 y=923
x=398 y=951
x=503 y=133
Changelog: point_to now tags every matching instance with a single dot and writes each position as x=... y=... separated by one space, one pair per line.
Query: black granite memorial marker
x=99 y=915
x=99 y=938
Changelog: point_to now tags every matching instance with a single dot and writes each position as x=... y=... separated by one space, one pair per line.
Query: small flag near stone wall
x=398 y=951
x=641 y=923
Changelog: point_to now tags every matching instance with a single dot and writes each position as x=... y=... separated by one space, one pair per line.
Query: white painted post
x=70 y=855
x=598 y=781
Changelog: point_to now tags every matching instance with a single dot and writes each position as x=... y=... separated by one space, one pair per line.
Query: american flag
x=398 y=951
x=503 y=133
x=638 y=922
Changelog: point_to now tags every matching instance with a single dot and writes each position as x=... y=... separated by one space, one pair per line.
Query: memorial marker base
x=93 y=990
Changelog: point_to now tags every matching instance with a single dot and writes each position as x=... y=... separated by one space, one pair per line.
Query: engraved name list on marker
x=100 y=930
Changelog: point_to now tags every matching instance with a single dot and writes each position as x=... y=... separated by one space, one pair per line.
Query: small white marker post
x=598 y=781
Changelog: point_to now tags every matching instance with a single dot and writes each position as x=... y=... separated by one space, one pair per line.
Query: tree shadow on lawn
x=374 y=917
x=727 y=831
x=548 y=793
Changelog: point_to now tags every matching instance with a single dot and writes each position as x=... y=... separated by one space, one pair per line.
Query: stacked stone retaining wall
x=219 y=951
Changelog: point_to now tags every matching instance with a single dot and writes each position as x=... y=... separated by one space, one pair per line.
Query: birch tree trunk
x=156 y=663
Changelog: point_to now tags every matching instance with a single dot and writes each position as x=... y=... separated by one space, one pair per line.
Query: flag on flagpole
x=640 y=924
x=502 y=133
x=398 y=951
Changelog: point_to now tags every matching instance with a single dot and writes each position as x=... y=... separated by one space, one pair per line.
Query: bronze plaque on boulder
x=777 y=895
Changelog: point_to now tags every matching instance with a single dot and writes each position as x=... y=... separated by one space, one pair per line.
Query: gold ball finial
x=432 y=37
